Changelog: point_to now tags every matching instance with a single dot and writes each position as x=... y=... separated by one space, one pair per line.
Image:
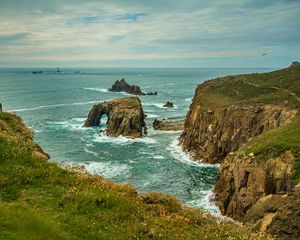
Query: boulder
x=164 y=125
x=168 y=105
x=125 y=117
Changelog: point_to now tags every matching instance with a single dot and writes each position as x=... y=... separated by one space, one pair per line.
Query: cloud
x=79 y=31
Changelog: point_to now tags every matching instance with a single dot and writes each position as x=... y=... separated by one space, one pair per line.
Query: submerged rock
x=163 y=125
x=125 y=117
x=168 y=104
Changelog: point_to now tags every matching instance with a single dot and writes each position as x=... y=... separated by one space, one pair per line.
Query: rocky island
x=123 y=86
x=125 y=117
x=250 y=124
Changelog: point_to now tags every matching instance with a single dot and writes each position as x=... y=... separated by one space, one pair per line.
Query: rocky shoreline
x=164 y=125
x=256 y=183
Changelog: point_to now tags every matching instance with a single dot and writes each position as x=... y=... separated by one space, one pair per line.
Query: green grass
x=252 y=88
x=273 y=143
x=270 y=88
x=40 y=200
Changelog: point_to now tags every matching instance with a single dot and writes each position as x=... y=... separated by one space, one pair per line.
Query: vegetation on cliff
x=40 y=200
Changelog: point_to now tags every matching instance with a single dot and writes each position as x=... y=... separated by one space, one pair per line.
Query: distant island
x=123 y=86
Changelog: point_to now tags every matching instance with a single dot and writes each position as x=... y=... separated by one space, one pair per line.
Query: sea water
x=55 y=105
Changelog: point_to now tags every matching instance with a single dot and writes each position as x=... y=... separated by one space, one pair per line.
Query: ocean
x=55 y=106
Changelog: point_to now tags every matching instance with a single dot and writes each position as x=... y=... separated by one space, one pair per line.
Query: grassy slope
x=39 y=200
x=251 y=88
x=275 y=87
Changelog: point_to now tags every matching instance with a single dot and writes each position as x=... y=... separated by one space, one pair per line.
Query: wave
x=150 y=115
x=158 y=105
x=104 y=90
x=51 y=106
x=205 y=202
x=107 y=169
x=90 y=151
x=177 y=152
x=121 y=140
x=159 y=157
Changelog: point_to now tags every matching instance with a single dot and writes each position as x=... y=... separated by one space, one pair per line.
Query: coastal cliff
x=251 y=125
x=125 y=117
x=210 y=134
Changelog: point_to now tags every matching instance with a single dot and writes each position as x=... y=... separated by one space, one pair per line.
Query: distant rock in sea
x=0 y=107
x=125 y=117
x=123 y=86
x=37 y=72
x=168 y=105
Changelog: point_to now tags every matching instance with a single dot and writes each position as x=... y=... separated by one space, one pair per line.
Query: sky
x=149 y=33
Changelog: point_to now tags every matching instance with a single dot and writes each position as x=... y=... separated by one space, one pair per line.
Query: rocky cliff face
x=211 y=133
x=255 y=192
x=125 y=117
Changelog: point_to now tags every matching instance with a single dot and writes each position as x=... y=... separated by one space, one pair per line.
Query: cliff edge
x=251 y=125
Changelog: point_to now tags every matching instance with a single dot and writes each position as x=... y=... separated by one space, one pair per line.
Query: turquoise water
x=55 y=106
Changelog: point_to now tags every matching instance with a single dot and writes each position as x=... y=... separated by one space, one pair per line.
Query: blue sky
x=140 y=33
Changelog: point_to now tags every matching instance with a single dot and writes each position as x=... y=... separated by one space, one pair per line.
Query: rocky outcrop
x=168 y=105
x=123 y=86
x=211 y=133
x=125 y=117
x=0 y=107
x=164 y=125
x=256 y=192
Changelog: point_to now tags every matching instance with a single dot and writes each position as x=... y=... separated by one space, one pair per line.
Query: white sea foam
x=91 y=152
x=104 y=90
x=206 y=203
x=158 y=157
x=158 y=105
x=176 y=151
x=188 y=99
x=51 y=106
x=120 y=140
x=107 y=169
x=150 y=115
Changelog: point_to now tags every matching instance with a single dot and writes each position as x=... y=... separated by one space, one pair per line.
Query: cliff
x=251 y=125
x=210 y=134
x=41 y=200
x=125 y=117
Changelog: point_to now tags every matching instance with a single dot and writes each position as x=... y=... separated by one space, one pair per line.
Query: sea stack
x=123 y=86
x=125 y=117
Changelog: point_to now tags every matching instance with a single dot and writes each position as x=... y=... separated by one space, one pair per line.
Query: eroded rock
x=125 y=117
x=259 y=193
x=164 y=125
x=211 y=133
